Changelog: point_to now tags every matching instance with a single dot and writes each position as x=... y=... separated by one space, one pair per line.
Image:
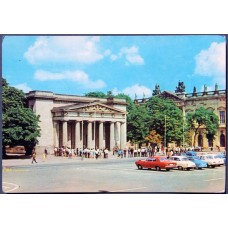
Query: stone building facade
x=77 y=121
x=189 y=102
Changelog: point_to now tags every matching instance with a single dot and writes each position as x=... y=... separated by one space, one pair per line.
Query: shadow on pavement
x=16 y=156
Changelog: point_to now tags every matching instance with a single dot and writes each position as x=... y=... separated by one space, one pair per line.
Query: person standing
x=34 y=156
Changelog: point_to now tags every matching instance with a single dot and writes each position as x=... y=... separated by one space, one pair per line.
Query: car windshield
x=163 y=159
x=184 y=159
x=209 y=157
x=217 y=156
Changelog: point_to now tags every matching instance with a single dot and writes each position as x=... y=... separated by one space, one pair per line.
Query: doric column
x=112 y=140
x=101 y=135
x=89 y=135
x=123 y=136
x=64 y=133
x=94 y=135
x=69 y=127
x=56 y=133
x=117 y=133
x=77 y=135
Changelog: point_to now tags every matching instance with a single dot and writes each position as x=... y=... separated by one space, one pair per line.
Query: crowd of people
x=65 y=151
x=83 y=153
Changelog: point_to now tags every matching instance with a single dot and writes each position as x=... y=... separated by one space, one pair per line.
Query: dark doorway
x=222 y=140
x=107 y=135
x=200 y=140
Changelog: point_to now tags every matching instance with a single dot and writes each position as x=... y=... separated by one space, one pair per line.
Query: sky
x=122 y=63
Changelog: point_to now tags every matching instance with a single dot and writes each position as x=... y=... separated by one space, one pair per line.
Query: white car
x=210 y=160
x=220 y=161
x=183 y=162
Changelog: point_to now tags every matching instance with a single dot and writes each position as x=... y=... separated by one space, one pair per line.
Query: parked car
x=223 y=156
x=220 y=161
x=190 y=153
x=198 y=162
x=156 y=162
x=183 y=162
x=210 y=160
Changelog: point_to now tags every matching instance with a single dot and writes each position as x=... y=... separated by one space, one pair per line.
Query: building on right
x=189 y=102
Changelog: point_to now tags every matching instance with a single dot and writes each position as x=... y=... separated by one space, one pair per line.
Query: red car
x=156 y=162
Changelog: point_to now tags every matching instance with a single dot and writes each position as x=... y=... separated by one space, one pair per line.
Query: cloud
x=79 y=77
x=136 y=89
x=24 y=87
x=82 y=49
x=131 y=56
x=212 y=62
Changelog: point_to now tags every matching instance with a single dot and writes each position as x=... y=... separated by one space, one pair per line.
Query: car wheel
x=167 y=169
x=180 y=167
x=157 y=168
x=212 y=166
x=208 y=166
x=140 y=167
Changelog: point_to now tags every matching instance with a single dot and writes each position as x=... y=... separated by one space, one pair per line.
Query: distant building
x=189 y=102
x=77 y=121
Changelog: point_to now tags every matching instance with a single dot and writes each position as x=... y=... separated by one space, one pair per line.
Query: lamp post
x=165 y=136
x=94 y=134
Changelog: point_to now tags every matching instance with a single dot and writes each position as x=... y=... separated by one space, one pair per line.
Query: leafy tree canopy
x=137 y=126
x=19 y=124
x=203 y=118
x=165 y=118
x=96 y=94
x=154 y=138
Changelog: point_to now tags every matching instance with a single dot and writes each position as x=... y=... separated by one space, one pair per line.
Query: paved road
x=107 y=175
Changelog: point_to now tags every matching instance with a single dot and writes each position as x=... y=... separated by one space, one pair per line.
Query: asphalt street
x=107 y=176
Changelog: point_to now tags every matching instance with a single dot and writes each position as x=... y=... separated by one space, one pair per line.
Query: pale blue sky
x=129 y=64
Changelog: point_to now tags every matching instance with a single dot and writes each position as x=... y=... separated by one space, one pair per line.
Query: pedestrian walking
x=45 y=153
x=34 y=156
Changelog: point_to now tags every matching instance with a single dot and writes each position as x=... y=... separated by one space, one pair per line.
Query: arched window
x=200 y=140
x=222 y=140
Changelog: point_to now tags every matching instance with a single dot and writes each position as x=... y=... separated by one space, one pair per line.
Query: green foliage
x=12 y=98
x=96 y=94
x=137 y=126
x=203 y=118
x=19 y=124
x=164 y=114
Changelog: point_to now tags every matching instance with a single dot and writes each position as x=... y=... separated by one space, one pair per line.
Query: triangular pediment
x=90 y=108
x=170 y=95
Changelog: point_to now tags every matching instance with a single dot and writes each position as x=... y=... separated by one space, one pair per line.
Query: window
x=222 y=140
x=222 y=117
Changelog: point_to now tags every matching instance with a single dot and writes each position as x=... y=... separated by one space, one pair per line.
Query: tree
x=19 y=124
x=137 y=125
x=154 y=138
x=98 y=94
x=166 y=119
x=205 y=120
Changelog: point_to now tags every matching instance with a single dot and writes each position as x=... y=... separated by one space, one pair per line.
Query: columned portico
x=77 y=121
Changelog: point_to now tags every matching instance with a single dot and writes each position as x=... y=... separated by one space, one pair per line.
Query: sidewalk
x=51 y=159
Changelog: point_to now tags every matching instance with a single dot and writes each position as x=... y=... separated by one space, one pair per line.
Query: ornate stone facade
x=211 y=100
x=77 y=122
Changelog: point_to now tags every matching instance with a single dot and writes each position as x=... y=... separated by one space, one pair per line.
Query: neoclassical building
x=78 y=121
x=188 y=102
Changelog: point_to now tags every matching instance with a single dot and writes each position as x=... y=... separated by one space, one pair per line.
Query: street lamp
x=165 y=135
